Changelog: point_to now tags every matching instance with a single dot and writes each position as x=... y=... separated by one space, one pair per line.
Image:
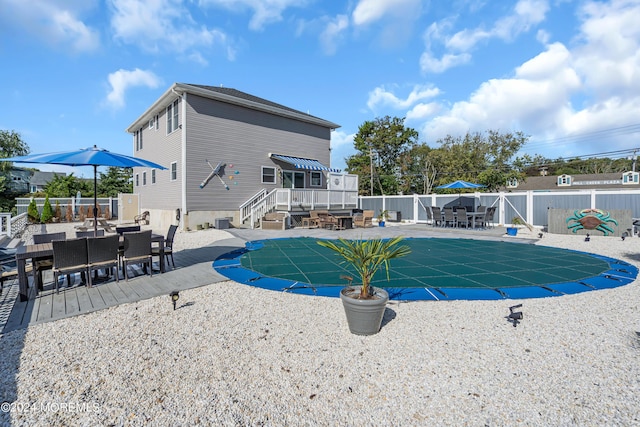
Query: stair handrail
x=245 y=208
x=262 y=207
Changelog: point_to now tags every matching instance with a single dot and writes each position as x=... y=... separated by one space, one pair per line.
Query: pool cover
x=436 y=269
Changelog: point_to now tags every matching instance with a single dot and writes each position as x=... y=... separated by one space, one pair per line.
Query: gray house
x=39 y=180
x=223 y=149
x=602 y=181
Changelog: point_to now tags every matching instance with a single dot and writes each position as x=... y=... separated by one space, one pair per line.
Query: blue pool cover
x=436 y=269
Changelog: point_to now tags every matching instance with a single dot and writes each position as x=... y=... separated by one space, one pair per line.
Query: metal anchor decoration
x=217 y=171
x=515 y=316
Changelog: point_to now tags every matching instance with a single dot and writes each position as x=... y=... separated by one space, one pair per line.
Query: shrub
x=81 y=213
x=32 y=212
x=107 y=213
x=58 y=211
x=69 y=214
x=47 y=211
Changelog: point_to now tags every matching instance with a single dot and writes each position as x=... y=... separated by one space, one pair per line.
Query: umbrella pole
x=95 y=200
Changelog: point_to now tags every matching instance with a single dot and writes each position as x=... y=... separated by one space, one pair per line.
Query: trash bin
x=222 y=223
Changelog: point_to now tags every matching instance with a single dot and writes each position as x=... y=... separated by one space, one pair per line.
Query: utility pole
x=371 y=168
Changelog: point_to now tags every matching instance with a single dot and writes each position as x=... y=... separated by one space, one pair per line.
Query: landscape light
x=175 y=296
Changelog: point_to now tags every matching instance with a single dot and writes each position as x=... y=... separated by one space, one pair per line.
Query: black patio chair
x=437 y=216
x=41 y=264
x=103 y=253
x=450 y=218
x=137 y=250
x=167 y=250
x=69 y=256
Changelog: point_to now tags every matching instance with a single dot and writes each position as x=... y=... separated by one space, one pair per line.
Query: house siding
x=163 y=149
x=222 y=132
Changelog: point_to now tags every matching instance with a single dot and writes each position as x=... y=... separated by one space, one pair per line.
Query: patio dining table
x=45 y=250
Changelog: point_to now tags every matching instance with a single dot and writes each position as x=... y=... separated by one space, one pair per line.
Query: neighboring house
x=17 y=181
x=23 y=181
x=602 y=181
x=191 y=129
x=39 y=180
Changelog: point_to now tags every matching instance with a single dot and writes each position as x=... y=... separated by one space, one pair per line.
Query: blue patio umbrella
x=92 y=156
x=460 y=185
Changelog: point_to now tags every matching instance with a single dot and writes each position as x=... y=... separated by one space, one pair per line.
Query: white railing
x=265 y=205
x=289 y=199
x=247 y=207
x=11 y=226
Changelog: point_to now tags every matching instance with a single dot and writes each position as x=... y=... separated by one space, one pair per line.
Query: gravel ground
x=237 y=355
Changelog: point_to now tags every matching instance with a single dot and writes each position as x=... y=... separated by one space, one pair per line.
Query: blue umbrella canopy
x=92 y=156
x=460 y=185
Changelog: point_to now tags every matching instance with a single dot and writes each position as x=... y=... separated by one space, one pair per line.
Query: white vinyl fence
x=532 y=206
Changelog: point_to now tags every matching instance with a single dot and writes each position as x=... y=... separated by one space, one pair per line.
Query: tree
x=32 y=212
x=115 y=180
x=47 y=211
x=381 y=145
x=11 y=144
x=479 y=157
x=67 y=186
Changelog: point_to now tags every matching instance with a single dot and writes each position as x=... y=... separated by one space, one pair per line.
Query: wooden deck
x=193 y=269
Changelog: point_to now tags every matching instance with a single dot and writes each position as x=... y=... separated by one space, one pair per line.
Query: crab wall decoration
x=591 y=219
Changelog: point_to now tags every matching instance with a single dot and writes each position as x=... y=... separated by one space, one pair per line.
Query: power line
x=588 y=136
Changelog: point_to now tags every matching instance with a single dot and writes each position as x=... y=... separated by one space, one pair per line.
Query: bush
x=58 y=211
x=69 y=214
x=32 y=212
x=81 y=213
x=47 y=211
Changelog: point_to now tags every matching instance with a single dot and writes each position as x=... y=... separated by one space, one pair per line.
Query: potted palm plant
x=364 y=304
x=382 y=217
x=516 y=221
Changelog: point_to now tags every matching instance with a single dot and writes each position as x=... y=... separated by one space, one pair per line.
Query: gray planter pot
x=364 y=316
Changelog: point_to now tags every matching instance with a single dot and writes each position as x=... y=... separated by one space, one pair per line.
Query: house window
x=268 y=175
x=292 y=179
x=144 y=178
x=512 y=183
x=34 y=189
x=153 y=176
x=138 y=139
x=137 y=180
x=564 y=180
x=630 y=178
x=316 y=179
x=157 y=121
x=172 y=116
x=152 y=123
x=174 y=171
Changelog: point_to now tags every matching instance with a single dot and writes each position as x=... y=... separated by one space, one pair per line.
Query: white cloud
x=525 y=15
x=382 y=97
x=333 y=33
x=264 y=11
x=54 y=21
x=341 y=147
x=592 y=86
x=164 y=26
x=369 y=11
x=122 y=80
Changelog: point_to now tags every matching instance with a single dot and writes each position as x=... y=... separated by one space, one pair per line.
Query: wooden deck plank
x=193 y=269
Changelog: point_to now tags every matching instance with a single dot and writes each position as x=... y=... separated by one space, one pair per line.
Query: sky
x=566 y=73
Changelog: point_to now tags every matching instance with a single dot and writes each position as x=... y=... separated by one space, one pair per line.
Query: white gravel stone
x=238 y=355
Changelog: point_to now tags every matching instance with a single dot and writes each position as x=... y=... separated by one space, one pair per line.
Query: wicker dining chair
x=137 y=250
x=167 y=250
x=40 y=264
x=102 y=252
x=69 y=256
